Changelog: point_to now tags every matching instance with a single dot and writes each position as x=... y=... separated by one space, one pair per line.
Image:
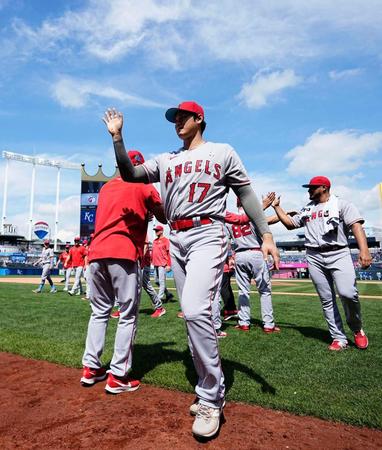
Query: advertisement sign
x=41 y=229
x=89 y=199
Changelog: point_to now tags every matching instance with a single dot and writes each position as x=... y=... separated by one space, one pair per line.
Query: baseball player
x=162 y=262
x=62 y=260
x=77 y=261
x=230 y=310
x=195 y=180
x=47 y=261
x=326 y=220
x=250 y=264
x=146 y=282
x=86 y=244
x=114 y=277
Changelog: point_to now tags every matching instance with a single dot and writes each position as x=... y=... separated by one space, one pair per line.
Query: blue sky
x=294 y=86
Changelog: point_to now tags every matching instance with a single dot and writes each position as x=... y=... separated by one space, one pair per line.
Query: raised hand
x=114 y=121
x=268 y=199
x=276 y=201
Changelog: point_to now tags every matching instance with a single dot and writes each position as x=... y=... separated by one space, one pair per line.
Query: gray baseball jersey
x=195 y=182
x=312 y=217
x=244 y=236
x=47 y=256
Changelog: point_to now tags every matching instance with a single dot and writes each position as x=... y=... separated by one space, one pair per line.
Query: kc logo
x=89 y=217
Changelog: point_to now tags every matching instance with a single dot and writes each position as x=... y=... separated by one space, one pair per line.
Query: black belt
x=327 y=248
x=254 y=249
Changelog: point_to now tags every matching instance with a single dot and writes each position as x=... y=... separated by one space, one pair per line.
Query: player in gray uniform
x=327 y=220
x=47 y=261
x=250 y=264
x=195 y=180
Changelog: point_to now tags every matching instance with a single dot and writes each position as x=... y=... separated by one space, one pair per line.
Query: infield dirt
x=43 y=406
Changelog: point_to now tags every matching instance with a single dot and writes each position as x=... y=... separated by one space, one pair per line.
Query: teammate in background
x=146 y=282
x=77 y=260
x=229 y=308
x=86 y=244
x=250 y=265
x=47 y=261
x=62 y=260
x=327 y=220
x=162 y=262
x=117 y=246
x=194 y=184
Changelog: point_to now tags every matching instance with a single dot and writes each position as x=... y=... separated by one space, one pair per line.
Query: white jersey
x=196 y=182
x=47 y=256
x=312 y=217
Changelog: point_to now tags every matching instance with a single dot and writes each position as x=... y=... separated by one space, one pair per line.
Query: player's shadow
x=148 y=356
x=310 y=332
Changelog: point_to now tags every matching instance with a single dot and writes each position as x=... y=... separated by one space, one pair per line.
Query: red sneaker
x=116 y=385
x=360 y=340
x=230 y=314
x=337 y=346
x=92 y=376
x=115 y=315
x=242 y=327
x=271 y=330
x=158 y=312
x=220 y=334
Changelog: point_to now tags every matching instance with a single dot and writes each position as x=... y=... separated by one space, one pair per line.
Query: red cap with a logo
x=191 y=107
x=136 y=157
x=318 y=181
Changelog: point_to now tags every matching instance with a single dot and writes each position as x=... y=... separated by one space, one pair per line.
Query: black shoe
x=169 y=297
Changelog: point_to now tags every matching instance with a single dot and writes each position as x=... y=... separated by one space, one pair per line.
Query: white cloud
x=265 y=86
x=343 y=74
x=333 y=153
x=176 y=34
x=76 y=93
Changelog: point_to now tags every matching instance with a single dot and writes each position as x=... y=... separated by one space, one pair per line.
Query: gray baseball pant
x=198 y=257
x=160 y=280
x=250 y=265
x=335 y=269
x=78 y=272
x=68 y=272
x=113 y=281
x=45 y=275
x=148 y=287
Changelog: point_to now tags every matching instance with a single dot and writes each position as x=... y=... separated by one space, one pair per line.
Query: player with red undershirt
x=114 y=275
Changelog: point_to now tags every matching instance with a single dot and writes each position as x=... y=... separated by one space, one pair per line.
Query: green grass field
x=291 y=371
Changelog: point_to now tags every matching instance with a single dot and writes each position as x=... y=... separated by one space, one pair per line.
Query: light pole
x=42 y=162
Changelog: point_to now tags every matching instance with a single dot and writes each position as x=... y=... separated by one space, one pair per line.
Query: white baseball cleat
x=207 y=421
x=194 y=407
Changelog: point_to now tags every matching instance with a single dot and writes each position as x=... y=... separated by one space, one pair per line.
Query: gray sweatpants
x=113 y=281
x=335 y=269
x=148 y=287
x=198 y=257
x=250 y=265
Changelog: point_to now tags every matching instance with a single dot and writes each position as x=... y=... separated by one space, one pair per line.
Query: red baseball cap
x=47 y=241
x=192 y=107
x=158 y=228
x=85 y=242
x=77 y=239
x=318 y=181
x=136 y=157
